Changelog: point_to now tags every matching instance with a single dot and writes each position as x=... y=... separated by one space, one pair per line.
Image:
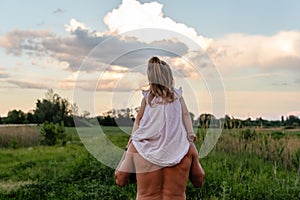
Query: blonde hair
x=161 y=80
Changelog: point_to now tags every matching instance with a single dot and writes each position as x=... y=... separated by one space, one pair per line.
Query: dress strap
x=178 y=92
x=145 y=93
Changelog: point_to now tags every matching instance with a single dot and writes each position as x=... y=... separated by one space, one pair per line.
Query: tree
x=118 y=117
x=15 y=117
x=206 y=119
x=29 y=118
x=292 y=120
x=227 y=121
x=86 y=114
x=54 y=109
x=282 y=119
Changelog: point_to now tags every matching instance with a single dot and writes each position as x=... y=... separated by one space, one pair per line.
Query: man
x=161 y=150
x=154 y=182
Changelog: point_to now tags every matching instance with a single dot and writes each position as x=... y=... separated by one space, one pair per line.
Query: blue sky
x=211 y=18
x=254 y=45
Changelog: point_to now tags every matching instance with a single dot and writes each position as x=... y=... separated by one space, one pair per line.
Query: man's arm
x=197 y=173
x=187 y=121
x=125 y=168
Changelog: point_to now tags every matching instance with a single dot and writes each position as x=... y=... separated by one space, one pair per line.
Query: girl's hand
x=195 y=138
x=192 y=137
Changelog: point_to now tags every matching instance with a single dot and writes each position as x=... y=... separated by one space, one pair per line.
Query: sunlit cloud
x=110 y=81
x=281 y=50
x=16 y=41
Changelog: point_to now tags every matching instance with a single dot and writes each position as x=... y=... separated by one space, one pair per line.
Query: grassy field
x=245 y=164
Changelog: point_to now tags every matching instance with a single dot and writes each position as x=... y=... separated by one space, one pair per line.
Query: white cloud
x=76 y=25
x=132 y=15
x=239 y=50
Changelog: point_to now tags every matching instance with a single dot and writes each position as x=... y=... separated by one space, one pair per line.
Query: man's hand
x=122 y=178
x=197 y=173
x=125 y=168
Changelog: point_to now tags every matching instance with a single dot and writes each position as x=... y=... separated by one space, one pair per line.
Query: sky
x=240 y=58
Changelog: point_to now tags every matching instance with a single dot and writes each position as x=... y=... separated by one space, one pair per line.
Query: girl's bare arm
x=187 y=121
x=138 y=119
x=139 y=115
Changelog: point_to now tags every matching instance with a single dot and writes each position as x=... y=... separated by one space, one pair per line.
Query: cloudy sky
x=245 y=54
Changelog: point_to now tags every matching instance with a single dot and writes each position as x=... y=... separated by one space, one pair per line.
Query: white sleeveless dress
x=161 y=137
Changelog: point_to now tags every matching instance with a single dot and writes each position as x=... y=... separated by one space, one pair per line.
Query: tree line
x=53 y=108
x=209 y=120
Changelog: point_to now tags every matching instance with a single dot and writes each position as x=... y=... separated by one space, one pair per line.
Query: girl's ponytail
x=160 y=79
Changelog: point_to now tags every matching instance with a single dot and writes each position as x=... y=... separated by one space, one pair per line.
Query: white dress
x=161 y=137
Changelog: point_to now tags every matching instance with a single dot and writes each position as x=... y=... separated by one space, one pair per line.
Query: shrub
x=52 y=133
x=13 y=143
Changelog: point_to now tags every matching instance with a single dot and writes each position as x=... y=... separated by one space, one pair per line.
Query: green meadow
x=245 y=164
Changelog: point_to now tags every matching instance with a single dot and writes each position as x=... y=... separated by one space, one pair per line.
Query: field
x=245 y=164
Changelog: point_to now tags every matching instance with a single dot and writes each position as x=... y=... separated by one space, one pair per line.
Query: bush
x=13 y=143
x=52 y=133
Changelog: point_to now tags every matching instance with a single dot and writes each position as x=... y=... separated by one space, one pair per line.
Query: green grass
x=247 y=177
x=35 y=163
x=70 y=172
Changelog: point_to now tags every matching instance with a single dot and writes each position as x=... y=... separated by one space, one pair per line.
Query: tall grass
x=19 y=136
x=271 y=145
x=29 y=136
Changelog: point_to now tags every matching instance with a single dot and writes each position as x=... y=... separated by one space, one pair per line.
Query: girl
x=163 y=130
